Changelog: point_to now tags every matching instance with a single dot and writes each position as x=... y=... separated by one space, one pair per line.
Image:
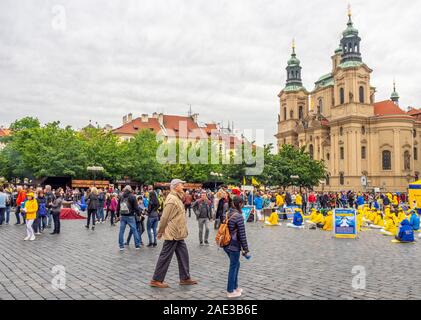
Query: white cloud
x=226 y=58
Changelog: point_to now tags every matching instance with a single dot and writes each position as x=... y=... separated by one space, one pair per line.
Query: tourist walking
x=153 y=217
x=49 y=197
x=21 y=197
x=126 y=211
x=101 y=204
x=173 y=228
x=3 y=200
x=237 y=245
x=30 y=209
x=113 y=208
x=55 y=211
x=203 y=211
x=93 y=205
x=188 y=200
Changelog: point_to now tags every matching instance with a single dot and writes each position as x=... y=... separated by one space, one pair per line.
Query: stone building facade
x=365 y=144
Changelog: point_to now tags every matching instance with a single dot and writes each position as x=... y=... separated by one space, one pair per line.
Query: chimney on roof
x=145 y=117
x=161 y=119
x=195 y=117
x=154 y=115
x=130 y=117
x=124 y=119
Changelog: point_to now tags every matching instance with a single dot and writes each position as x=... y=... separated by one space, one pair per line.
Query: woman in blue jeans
x=153 y=218
x=237 y=245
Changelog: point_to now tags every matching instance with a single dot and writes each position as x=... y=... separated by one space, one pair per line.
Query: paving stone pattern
x=285 y=264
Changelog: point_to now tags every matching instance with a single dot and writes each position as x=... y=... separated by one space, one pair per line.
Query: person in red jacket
x=19 y=200
x=312 y=200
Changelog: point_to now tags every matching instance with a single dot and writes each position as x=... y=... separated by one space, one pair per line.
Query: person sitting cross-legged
x=328 y=223
x=391 y=224
x=297 y=221
x=273 y=220
x=406 y=234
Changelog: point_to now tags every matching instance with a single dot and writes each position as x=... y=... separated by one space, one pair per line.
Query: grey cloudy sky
x=225 y=58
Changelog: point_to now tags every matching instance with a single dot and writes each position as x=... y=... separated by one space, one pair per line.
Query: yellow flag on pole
x=254 y=182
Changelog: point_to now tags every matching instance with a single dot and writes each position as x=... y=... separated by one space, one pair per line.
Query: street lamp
x=95 y=169
x=216 y=175
x=294 y=177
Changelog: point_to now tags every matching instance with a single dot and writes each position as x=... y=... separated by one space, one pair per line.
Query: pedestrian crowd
x=163 y=214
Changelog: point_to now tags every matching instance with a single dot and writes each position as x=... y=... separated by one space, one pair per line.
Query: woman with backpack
x=237 y=244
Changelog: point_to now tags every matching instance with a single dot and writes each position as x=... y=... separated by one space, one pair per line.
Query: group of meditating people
x=400 y=223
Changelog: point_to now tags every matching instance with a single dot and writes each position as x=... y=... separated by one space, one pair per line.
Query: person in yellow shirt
x=317 y=221
x=395 y=200
x=360 y=220
x=30 y=208
x=328 y=225
x=273 y=220
x=279 y=200
x=378 y=222
x=299 y=200
x=312 y=215
x=401 y=215
x=391 y=225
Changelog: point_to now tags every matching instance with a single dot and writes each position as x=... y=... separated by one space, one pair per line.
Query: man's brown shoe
x=187 y=282
x=158 y=284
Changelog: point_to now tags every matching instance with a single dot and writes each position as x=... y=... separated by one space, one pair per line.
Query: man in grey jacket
x=203 y=211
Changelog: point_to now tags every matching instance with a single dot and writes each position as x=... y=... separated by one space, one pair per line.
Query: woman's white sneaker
x=234 y=294
x=32 y=238
x=239 y=290
x=27 y=238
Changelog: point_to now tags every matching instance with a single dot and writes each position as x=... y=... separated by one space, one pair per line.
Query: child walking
x=31 y=209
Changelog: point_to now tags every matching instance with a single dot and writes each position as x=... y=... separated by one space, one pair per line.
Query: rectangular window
x=363 y=155
x=415 y=153
x=342 y=153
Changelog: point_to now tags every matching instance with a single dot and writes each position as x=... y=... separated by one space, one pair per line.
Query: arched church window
x=361 y=93
x=387 y=160
x=342 y=95
x=341 y=131
x=363 y=130
x=341 y=179
x=311 y=151
x=291 y=114
x=285 y=113
x=320 y=106
x=350 y=47
x=300 y=112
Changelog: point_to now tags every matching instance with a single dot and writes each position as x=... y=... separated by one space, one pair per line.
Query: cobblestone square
x=286 y=264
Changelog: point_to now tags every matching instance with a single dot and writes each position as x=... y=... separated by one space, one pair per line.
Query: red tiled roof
x=416 y=113
x=137 y=125
x=209 y=127
x=387 y=107
x=172 y=124
x=4 y=132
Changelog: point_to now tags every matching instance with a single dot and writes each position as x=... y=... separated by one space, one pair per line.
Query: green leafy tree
x=25 y=123
x=141 y=163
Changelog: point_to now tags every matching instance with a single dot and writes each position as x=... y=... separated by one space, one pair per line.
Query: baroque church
x=365 y=144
